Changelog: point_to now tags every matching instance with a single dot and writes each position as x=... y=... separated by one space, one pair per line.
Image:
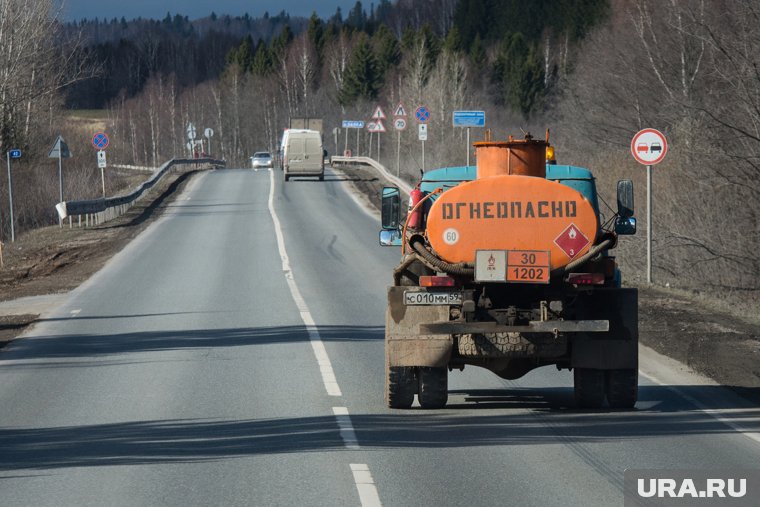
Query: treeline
x=594 y=71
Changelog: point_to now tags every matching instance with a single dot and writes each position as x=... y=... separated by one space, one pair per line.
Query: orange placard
x=528 y=266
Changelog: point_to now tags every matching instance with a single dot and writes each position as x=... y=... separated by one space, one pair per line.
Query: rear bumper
x=549 y=326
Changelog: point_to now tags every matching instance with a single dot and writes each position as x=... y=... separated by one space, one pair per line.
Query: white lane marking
x=76 y=312
x=325 y=366
x=365 y=485
x=717 y=414
x=347 y=432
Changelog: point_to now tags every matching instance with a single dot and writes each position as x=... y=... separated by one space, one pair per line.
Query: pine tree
x=387 y=49
x=362 y=77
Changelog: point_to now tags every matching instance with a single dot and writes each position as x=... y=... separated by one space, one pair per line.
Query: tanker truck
x=507 y=265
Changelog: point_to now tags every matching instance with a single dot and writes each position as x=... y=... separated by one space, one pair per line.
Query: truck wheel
x=286 y=176
x=400 y=386
x=322 y=177
x=589 y=387
x=434 y=387
x=622 y=388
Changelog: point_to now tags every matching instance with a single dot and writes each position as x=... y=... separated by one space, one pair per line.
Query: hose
x=408 y=215
x=452 y=269
x=607 y=243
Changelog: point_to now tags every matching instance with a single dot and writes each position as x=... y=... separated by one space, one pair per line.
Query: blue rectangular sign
x=469 y=118
x=15 y=153
x=353 y=124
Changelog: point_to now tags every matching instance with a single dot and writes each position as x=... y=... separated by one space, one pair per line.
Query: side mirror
x=390 y=209
x=390 y=237
x=625 y=198
x=625 y=226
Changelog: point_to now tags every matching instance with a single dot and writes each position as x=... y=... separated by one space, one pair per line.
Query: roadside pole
x=648 y=148
x=60 y=184
x=423 y=156
x=649 y=224
x=10 y=196
x=468 y=146
x=345 y=147
x=378 y=147
x=398 y=153
x=357 y=142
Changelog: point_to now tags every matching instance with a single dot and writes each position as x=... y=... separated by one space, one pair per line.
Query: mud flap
x=617 y=348
x=404 y=344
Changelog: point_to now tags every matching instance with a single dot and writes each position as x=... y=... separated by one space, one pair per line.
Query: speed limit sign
x=399 y=123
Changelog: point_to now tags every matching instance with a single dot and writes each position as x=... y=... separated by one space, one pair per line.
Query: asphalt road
x=231 y=356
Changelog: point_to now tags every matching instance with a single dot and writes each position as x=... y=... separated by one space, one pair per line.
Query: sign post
x=191 y=137
x=60 y=151
x=649 y=147
x=353 y=124
x=423 y=115
x=8 y=156
x=378 y=116
x=100 y=141
x=469 y=119
x=399 y=123
x=208 y=134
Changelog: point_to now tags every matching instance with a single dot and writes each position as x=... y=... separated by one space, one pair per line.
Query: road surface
x=233 y=355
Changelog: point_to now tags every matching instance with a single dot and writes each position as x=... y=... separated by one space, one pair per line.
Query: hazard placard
x=571 y=241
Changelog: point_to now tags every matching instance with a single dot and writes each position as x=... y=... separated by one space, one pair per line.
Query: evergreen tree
x=520 y=75
x=262 y=60
x=477 y=54
x=316 y=34
x=357 y=18
x=362 y=77
x=453 y=42
x=387 y=49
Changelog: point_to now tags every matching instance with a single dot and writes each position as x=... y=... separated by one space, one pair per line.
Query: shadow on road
x=188 y=440
x=92 y=346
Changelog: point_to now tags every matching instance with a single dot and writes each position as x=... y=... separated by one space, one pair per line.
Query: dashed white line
x=347 y=432
x=325 y=367
x=365 y=485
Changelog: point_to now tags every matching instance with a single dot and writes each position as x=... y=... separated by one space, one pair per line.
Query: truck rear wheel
x=622 y=387
x=589 y=387
x=400 y=386
x=434 y=387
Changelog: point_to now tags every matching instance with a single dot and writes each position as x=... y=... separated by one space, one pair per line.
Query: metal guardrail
x=97 y=211
x=401 y=184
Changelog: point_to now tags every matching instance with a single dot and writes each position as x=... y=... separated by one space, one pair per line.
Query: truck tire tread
x=434 y=387
x=622 y=387
x=400 y=386
x=589 y=387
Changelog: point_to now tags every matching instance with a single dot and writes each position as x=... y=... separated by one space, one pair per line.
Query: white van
x=302 y=154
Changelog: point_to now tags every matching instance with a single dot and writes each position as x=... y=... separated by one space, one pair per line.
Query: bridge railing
x=98 y=211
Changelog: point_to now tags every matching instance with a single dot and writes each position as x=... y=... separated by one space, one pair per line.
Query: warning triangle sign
x=400 y=110
x=379 y=127
x=378 y=114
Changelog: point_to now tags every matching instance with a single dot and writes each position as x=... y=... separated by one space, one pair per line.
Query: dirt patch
x=13 y=325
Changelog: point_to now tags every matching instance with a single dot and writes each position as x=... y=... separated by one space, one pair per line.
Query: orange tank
x=512 y=213
x=525 y=157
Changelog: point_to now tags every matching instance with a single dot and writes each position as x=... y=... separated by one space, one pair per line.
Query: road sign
x=60 y=149
x=399 y=123
x=649 y=146
x=422 y=131
x=100 y=141
x=101 y=159
x=376 y=126
x=422 y=114
x=400 y=110
x=353 y=124
x=14 y=153
x=208 y=133
x=378 y=114
x=469 y=118
x=190 y=131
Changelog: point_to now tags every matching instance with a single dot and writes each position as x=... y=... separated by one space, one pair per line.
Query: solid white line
x=325 y=367
x=347 y=432
x=365 y=485
x=717 y=414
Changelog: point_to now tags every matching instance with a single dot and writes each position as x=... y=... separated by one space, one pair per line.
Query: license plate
x=412 y=298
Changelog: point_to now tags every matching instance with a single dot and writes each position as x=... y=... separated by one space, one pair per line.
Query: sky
x=194 y=9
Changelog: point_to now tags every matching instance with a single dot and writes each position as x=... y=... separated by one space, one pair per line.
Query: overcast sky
x=157 y=9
